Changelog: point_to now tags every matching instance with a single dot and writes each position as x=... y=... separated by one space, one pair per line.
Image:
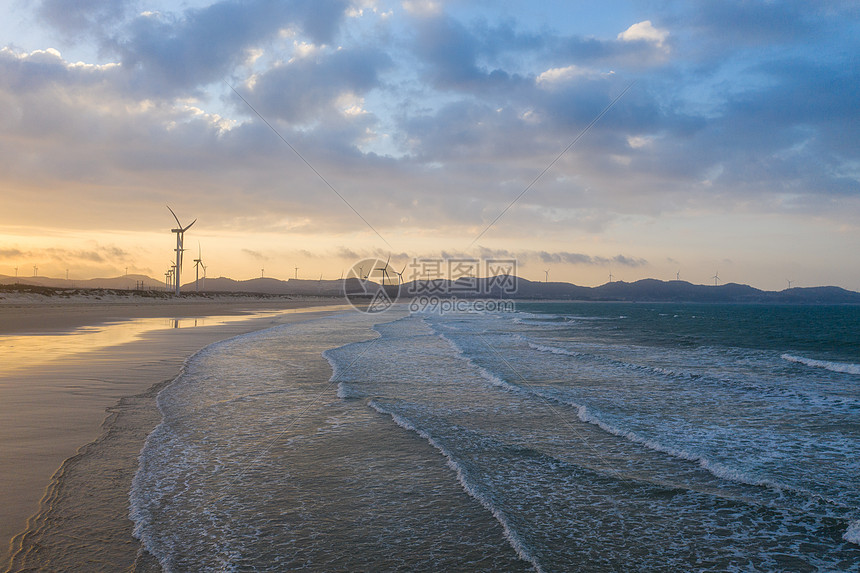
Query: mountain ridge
x=644 y=290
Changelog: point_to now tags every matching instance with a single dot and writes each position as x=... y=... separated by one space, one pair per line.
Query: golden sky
x=313 y=134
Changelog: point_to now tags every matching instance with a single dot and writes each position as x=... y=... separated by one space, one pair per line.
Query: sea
x=550 y=436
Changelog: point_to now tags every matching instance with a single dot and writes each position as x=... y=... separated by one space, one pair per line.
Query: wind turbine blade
x=178 y=224
x=189 y=226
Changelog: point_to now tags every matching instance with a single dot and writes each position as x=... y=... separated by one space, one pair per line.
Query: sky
x=652 y=139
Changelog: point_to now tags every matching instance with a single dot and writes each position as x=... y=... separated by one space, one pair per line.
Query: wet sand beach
x=66 y=366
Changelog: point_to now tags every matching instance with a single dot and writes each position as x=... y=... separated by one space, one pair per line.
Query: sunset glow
x=311 y=135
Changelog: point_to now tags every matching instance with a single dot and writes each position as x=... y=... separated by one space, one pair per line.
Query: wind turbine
x=789 y=281
x=610 y=276
x=546 y=278
x=384 y=270
x=678 y=276
x=198 y=262
x=400 y=274
x=180 y=237
x=171 y=275
x=35 y=270
x=297 y=272
x=716 y=277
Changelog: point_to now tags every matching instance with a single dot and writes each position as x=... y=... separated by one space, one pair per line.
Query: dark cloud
x=181 y=52
x=255 y=255
x=300 y=90
x=629 y=261
x=100 y=254
x=12 y=253
x=756 y=23
x=347 y=253
x=486 y=107
x=582 y=259
x=168 y=54
x=84 y=17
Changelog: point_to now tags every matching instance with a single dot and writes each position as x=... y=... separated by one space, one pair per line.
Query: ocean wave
x=483 y=372
x=716 y=469
x=654 y=370
x=513 y=538
x=841 y=367
x=554 y=350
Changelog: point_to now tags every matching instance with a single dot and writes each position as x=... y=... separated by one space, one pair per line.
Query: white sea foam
x=554 y=350
x=483 y=372
x=852 y=535
x=842 y=367
x=513 y=538
x=715 y=469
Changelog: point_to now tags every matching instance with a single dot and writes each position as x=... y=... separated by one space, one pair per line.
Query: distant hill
x=652 y=290
x=125 y=282
x=646 y=290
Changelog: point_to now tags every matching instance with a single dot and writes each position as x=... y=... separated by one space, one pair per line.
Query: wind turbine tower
x=400 y=274
x=198 y=262
x=180 y=237
x=385 y=270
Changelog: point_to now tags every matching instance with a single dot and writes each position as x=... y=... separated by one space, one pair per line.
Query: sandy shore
x=64 y=364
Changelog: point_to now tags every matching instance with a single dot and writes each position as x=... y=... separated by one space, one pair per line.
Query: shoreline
x=38 y=315
x=54 y=413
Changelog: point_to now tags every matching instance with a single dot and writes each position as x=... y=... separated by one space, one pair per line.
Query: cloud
x=257 y=255
x=83 y=17
x=422 y=8
x=644 y=32
x=97 y=254
x=168 y=53
x=733 y=23
x=13 y=253
x=349 y=254
x=306 y=88
x=431 y=123
x=629 y=261
x=560 y=75
x=563 y=257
